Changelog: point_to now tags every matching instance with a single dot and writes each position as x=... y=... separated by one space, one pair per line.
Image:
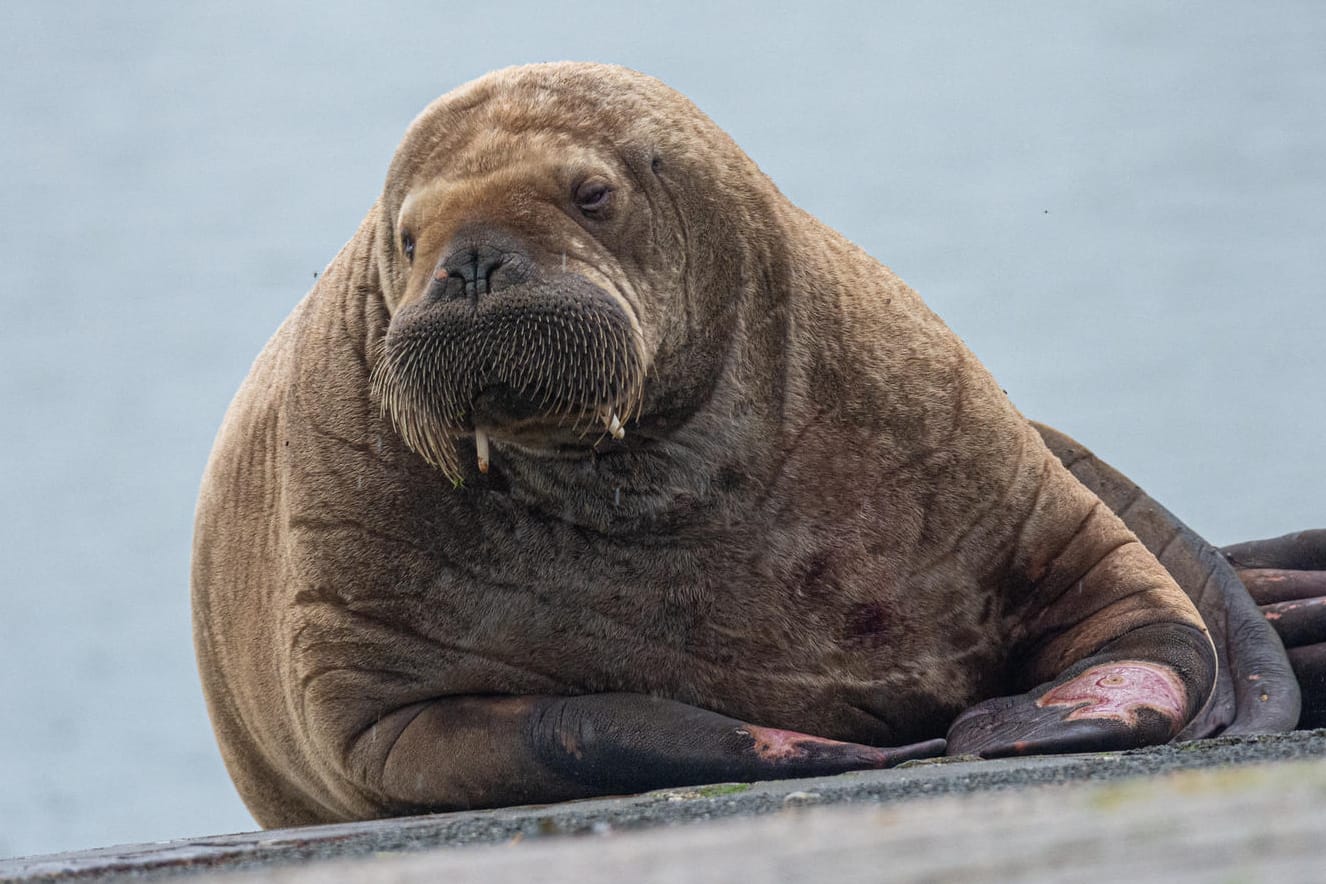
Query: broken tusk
x=481 y=448
x=613 y=423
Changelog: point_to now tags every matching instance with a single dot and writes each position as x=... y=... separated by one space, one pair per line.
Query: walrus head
x=549 y=258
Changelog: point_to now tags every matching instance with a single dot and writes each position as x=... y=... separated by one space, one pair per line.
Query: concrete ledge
x=1254 y=809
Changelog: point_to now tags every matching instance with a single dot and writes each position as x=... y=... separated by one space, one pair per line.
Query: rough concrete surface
x=1235 y=809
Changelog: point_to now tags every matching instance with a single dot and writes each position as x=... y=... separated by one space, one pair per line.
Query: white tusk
x=481 y=448
x=613 y=423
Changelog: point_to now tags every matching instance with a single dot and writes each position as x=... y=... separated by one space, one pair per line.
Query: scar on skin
x=571 y=744
x=772 y=744
x=1278 y=610
x=1119 y=690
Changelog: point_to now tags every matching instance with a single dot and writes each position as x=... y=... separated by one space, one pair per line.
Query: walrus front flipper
x=1105 y=651
x=1122 y=697
x=465 y=752
x=1287 y=577
x=1256 y=691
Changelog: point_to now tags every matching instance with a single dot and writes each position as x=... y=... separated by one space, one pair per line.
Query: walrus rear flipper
x=491 y=751
x=1287 y=578
x=1256 y=691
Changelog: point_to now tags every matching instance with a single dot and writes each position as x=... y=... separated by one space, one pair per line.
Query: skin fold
x=593 y=465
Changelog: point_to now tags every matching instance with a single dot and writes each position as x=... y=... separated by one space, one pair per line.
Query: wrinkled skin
x=811 y=536
x=1256 y=690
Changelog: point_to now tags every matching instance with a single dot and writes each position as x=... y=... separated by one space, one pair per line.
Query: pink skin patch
x=1276 y=611
x=772 y=744
x=1118 y=690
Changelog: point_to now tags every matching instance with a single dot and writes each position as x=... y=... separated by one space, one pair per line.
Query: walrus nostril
x=468 y=271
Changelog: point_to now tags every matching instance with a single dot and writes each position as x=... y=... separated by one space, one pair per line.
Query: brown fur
x=826 y=499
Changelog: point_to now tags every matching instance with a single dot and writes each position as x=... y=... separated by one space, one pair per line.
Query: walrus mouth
x=556 y=356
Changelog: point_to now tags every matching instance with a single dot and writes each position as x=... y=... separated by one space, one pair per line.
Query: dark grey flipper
x=1287 y=577
x=488 y=751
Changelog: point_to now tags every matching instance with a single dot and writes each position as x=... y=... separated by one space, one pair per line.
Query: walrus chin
x=551 y=362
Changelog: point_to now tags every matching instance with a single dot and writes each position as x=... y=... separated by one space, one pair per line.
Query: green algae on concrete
x=720 y=789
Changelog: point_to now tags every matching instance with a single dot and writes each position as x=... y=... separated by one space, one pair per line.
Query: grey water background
x=1121 y=206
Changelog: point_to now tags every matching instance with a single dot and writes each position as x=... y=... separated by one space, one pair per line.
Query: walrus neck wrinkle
x=354 y=280
x=706 y=471
x=775 y=316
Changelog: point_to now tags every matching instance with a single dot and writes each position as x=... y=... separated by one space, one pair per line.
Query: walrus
x=592 y=465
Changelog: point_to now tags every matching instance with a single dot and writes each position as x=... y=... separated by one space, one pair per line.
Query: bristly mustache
x=571 y=352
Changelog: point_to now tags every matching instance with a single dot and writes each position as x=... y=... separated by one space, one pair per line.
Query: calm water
x=1121 y=208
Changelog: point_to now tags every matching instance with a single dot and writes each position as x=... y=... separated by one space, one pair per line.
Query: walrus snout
x=476 y=266
x=499 y=346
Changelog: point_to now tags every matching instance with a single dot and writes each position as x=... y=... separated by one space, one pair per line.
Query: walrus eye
x=593 y=195
x=407 y=245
